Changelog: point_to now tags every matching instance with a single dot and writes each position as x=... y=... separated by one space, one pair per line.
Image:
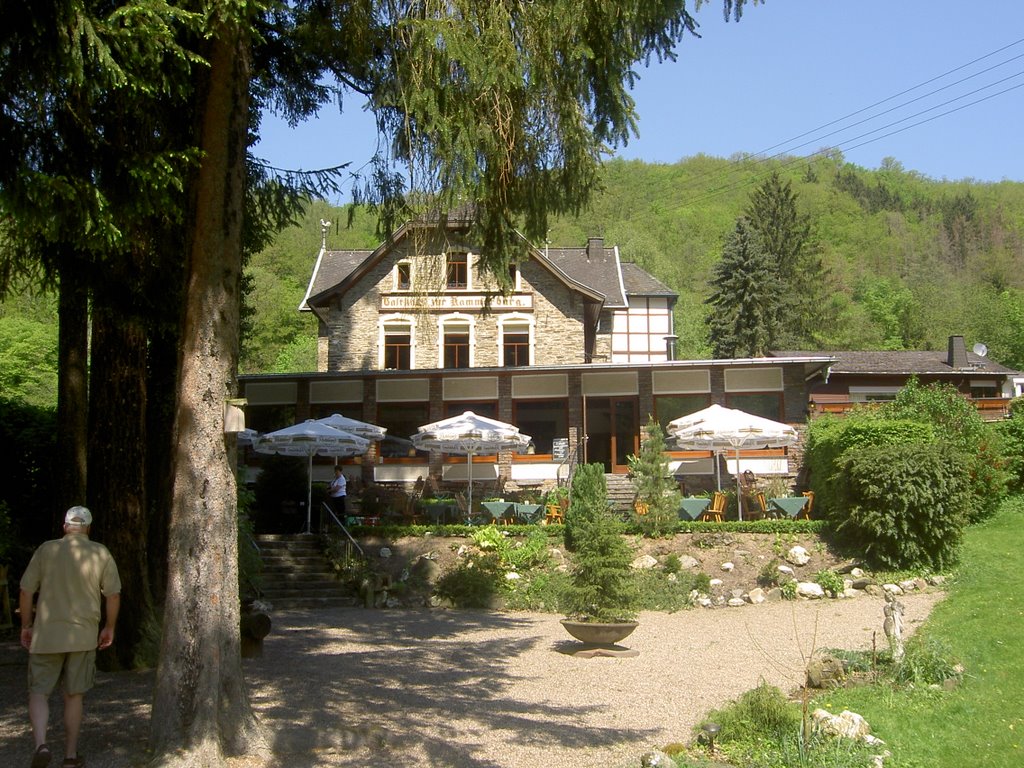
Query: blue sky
x=796 y=76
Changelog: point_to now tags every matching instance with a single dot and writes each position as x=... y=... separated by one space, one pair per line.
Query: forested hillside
x=908 y=260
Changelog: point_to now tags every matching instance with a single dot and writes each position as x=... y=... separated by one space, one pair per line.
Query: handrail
x=341 y=525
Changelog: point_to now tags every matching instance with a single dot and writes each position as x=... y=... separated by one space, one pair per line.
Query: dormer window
x=403 y=276
x=457 y=271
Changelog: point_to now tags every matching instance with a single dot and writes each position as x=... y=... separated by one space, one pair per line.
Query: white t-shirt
x=338 y=486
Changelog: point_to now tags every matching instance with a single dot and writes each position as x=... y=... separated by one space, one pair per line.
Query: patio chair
x=805 y=513
x=715 y=512
x=762 y=504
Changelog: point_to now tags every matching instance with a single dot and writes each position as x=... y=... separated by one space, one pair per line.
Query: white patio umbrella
x=363 y=429
x=718 y=429
x=308 y=439
x=470 y=434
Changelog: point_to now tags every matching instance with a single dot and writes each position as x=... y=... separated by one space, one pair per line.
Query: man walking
x=62 y=632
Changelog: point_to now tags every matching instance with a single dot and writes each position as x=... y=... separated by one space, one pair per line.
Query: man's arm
x=113 y=605
x=26 y=609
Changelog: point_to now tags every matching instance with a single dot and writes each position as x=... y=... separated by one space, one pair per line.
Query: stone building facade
x=578 y=354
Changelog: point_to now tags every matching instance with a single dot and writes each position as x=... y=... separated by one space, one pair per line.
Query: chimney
x=595 y=248
x=957 y=355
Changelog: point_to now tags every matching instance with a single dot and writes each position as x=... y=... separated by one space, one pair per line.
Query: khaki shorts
x=46 y=669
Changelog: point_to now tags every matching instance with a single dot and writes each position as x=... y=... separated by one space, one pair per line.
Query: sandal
x=41 y=757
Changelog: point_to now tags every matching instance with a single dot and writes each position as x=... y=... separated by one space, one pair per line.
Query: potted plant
x=599 y=602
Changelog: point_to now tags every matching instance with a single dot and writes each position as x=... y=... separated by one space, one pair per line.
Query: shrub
x=958 y=423
x=473 y=583
x=588 y=496
x=829 y=438
x=760 y=713
x=902 y=506
x=1011 y=432
x=601 y=590
x=655 y=488
x=830 y=581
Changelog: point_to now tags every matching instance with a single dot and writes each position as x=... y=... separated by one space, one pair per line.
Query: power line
x=747 y=181
x=696 y=180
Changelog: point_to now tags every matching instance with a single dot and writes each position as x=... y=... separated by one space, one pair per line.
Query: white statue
x=893 y=625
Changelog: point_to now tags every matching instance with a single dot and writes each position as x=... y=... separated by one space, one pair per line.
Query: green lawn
x=981 y=624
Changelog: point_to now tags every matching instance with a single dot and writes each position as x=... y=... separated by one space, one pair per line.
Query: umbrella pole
x=739 y=493
x=309 y=495
x=718 y=470
x=469 y=473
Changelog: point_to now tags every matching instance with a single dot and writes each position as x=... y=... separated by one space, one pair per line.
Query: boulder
x=657 y=759
x=756 y=596
x=810 y=590
x=688 y=563
x=847 y=724
x=728 y=567
x=644 y=563
x=825 y=671
x=798 y=556
x=426 y=570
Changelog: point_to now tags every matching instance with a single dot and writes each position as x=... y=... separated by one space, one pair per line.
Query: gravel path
x=458 y=689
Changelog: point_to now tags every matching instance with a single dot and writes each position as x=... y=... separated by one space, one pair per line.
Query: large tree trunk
x=201 y=707
x=72 y=394
x=117 y=460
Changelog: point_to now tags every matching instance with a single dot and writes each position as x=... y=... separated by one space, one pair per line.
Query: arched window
x=397 y=351
x=455 y=341
x=515 y=340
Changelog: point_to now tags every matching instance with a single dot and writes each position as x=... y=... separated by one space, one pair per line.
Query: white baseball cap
x=78 y=516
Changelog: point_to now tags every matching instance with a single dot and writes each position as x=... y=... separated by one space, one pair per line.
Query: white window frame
x=517 y=319
x=460 y=319
x=389 y=320
x=395 y=284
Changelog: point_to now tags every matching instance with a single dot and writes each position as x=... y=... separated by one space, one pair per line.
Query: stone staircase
x=621 y=492
x=297 y=574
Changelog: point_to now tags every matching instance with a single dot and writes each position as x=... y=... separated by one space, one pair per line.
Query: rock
x=704 y=602
x=857 y=573
x=716 y=582
x=810 y=590
x=908 y=585
x=671 y=578
x=512 y=576
x=937 y=580
x=825 y=671
x=736 y=593
x=657 y=759
x=847 y=724
x=688 y=563
x=756 y=596
x=728 y=567
x=786 y=570
x=736 y=602
x=861 y=583
x=644 y=563
x=773 y=595
x=426 y=570
x=874 y=590
x=892 y=589
x=846 y=568
x=798 y=556
x=557 y=554
x=385 y=553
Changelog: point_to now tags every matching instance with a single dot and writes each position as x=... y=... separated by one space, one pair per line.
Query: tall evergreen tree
x=745 y=298
x=785 y=236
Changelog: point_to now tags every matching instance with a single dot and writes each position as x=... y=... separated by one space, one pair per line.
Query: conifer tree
x=745 y=298
x=785 y=236
x=656 y=492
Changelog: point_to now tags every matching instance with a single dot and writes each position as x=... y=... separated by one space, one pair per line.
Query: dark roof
x=903 y=362
x=641 y=283
x=331 y=268
x=594 y=266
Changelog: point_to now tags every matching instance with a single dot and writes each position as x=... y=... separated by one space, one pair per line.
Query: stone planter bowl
x=595 y=633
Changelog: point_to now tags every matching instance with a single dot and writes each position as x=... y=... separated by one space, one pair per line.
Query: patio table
x=499 y=510
x=693 y=507
x=527 y=513
x=790 y=506
x=440 y=512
